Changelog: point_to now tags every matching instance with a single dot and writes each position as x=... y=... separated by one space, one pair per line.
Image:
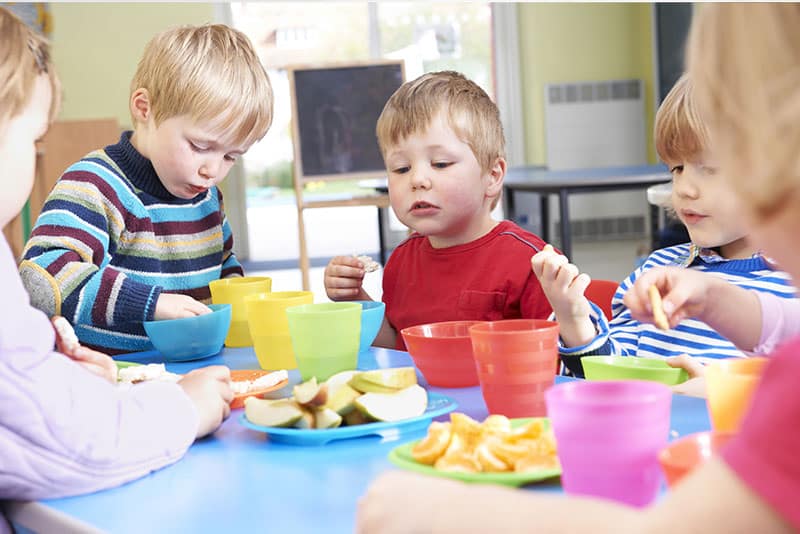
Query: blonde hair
x=680 y=133
x=24 y=56
x=745 y=63
x=467 y=108
x=210 y=73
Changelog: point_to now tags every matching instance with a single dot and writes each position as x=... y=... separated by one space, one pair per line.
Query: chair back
x=601 y=292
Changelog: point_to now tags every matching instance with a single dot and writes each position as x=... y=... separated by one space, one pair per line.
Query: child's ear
x=140 y=105
x=495 y=177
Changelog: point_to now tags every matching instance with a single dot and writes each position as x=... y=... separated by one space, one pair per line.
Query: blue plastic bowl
x=191 y=338
x=371 y=320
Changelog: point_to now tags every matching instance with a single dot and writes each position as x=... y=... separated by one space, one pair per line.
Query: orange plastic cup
x=686 y=454
x=516 y=361
x=730 y=385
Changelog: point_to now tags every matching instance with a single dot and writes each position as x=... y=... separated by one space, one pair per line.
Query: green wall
x=574 y=42
x=96 y=47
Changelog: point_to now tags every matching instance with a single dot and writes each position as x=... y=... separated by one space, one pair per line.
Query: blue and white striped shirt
x=627 y=337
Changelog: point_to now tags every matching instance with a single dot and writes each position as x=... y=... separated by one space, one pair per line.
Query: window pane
x=439 y=36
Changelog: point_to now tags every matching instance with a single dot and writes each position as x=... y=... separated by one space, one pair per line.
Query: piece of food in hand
x=143 y=373
x=370 y=265
x=241 y=387
x=409 y=402
x=280 y=413
x=65 y=334
x=659 y=317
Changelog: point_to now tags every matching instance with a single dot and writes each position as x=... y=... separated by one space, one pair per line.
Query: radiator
x=598 y=124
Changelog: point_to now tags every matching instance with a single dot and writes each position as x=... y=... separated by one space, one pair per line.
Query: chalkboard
x=335 y=109
x=672 y=23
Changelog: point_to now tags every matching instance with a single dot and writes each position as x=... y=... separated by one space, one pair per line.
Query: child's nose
x=210 y=169
x=419 y=179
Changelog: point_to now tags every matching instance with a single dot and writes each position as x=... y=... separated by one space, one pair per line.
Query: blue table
x=238 y=481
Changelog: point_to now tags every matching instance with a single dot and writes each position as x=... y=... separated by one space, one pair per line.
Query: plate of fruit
x=509 y=452
x=350 y=404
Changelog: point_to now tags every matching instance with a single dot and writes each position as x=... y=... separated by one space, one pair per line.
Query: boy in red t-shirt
x=443 y=145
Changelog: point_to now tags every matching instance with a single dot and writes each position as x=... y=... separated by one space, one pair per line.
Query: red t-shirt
x=487 y=279
x=766 y=452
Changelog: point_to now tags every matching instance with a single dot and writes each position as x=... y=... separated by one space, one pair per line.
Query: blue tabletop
x=238 y=481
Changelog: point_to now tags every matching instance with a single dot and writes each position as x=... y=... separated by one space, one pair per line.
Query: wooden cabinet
x=65 y=143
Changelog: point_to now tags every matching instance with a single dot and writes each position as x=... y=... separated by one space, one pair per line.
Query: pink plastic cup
x=608 y=436
x=516 y=362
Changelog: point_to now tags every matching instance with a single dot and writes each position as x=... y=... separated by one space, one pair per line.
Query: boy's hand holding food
x=344 y=276
x=564 y=285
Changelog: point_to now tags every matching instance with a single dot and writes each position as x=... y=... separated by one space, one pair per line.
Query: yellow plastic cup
x=730 y=385
x=269 y=328
x=325 y=337
x=233 y=291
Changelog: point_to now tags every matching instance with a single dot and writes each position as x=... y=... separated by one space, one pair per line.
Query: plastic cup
x=608 y=436
x=233 y=291
x=516 y=362
x=269 y=328
x=325 y=337
x=729 y=386
x=371 y=320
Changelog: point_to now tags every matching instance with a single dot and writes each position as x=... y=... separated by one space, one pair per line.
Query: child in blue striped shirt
x=720 y=245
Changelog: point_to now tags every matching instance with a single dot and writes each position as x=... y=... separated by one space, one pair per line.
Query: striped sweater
x=628 y=337
x=110 y=239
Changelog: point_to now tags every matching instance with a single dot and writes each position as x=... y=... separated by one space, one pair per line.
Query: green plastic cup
x=325 y=337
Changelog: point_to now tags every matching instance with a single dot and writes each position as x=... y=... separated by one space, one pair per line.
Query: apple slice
x=406 y=403
x=365 y=386
x=311 y=394
x=280 y=413
x=327 y=418
x=338 y=380
x=343 y=401
x=396 y=378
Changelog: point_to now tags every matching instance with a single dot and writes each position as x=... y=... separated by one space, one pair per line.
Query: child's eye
x=400 y=170
x=677 y=169
x=441 y=164
x=230 y=157
x=196 y=147
x=709 y=170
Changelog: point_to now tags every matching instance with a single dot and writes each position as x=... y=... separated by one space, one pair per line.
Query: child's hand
x=562 y=283
x=172 y=306
x=696 y=385
x=210 y=391
x=684 y=293
x=343 y=278
x=95 y=362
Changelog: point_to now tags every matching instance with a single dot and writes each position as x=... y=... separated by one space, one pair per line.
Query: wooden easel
x=336 y=166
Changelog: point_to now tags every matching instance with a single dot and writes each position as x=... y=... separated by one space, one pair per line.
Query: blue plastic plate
x=437 y=405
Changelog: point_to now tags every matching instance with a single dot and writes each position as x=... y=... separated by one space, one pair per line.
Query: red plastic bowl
x=443 y=353
x=685 y=454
